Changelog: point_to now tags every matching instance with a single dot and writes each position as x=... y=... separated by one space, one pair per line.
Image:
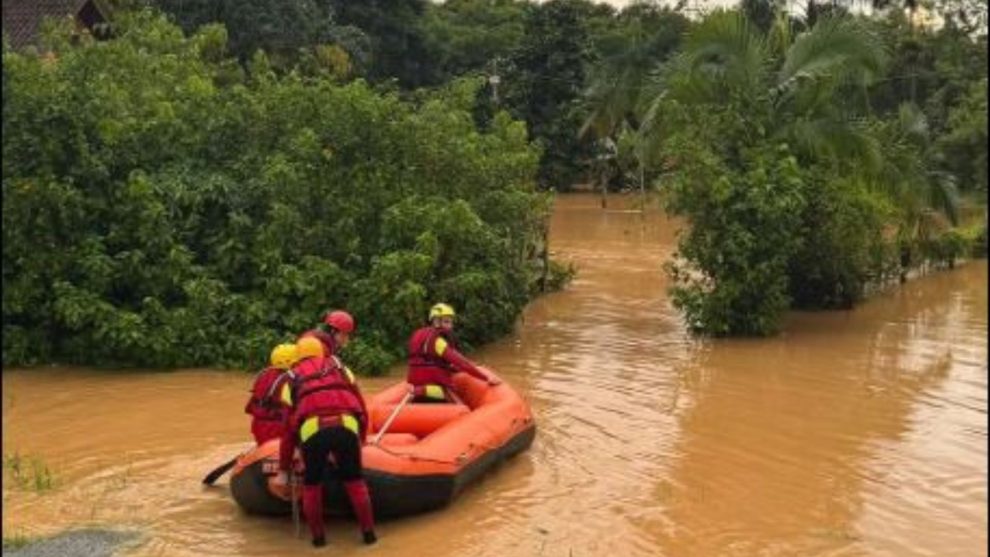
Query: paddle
x=221 y=470
x=295 y=504
x=395 y=413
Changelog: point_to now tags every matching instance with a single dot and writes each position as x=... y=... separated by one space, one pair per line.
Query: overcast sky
x=698 y=3
x=795 y=6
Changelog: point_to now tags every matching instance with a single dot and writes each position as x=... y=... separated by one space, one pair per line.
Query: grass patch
x=559 y=275
x=975 y=237
x=29 y=473
x=16 y=541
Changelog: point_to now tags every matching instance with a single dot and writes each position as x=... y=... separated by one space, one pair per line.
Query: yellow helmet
x=441 y=310
x=308 y=347
x=283 y=356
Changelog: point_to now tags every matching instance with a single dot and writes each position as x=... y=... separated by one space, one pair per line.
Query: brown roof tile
x=22 y=18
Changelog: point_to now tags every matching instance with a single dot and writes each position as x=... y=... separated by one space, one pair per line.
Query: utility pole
x=494 y=80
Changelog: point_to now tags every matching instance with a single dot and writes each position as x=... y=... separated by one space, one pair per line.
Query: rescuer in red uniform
x=434 y=358
x=327 y=416
x=267 y=412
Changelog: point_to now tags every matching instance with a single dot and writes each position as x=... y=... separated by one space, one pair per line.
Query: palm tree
x=612 y=97
x=803 y=84
x=794 y=82
x=912 y=8
x=926 y=196
x=808 y=90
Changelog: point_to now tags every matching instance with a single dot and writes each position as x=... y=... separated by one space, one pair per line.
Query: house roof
x=22 y=18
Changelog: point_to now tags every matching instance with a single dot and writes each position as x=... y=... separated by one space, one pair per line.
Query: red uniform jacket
x=433 y=359
x=267 y=413
x=321 y=388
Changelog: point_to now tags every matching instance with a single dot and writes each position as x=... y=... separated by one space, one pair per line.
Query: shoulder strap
x=424 y=348
x=286 y=375
x=257 y=376
x=330 y=365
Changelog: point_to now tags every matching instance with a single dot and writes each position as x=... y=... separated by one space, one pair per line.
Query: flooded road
x=853 y=433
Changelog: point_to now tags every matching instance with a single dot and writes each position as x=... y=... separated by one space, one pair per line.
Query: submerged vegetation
x=16 y=541
x=29 y=473
x=806 y=178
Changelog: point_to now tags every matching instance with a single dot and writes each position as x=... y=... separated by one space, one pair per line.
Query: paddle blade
x=221 y=470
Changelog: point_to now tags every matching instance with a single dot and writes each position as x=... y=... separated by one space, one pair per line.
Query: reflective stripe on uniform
x=440 y=346
x=350 y=374
x=308 y=428
x=279 y=381
x=312 y=425
x=434 y=391
x=349 y=422
x=286 y=394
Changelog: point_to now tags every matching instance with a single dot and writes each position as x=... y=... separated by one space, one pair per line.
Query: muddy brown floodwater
x=853 y=433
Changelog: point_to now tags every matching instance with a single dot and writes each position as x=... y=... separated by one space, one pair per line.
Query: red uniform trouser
x=346 y=450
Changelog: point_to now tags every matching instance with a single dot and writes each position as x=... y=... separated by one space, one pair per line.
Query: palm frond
x=943 y=194
x=600 y=99
x=848 y=140
x=651 y=99
x=724 y=52
x=835 y=49
x=616 y=84
x=913 y=124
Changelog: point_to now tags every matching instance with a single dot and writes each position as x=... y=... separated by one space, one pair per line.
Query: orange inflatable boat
x=429 y=453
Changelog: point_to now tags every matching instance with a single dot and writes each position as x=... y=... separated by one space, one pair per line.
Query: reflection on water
x=854 y=433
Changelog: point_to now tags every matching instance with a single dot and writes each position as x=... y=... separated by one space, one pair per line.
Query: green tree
x=543 y=84
x=473 y=35
x=280 y=28
x=646 y=37
x=963 y=148
x=156 y=215
x=946 y=65
x=753 y=122
x=400 y=48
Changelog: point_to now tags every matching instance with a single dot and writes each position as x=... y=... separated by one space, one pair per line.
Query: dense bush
x=733 y=277
x=963 y=148
x=978 y=241
x=756 y=147
x=943 y=250
x=162 y=208
x=843 y=248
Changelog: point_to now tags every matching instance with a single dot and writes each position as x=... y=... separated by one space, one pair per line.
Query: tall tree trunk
x=642 y=187
x=545 y=256
x=912 y=10
x=603 y=177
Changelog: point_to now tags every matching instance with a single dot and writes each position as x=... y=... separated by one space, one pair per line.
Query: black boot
x=370 y=537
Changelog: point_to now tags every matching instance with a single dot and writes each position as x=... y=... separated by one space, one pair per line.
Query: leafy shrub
x=731 y=273
x=843 y=248
x=160 y=211
x=943 y=250
x=978 y=239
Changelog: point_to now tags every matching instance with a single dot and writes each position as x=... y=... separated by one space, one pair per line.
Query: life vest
x=329 y=346
x=323 y=393
x=264 y=404
x=425 y=366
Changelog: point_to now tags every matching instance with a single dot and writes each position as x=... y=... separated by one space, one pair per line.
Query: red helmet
x=340 y=320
